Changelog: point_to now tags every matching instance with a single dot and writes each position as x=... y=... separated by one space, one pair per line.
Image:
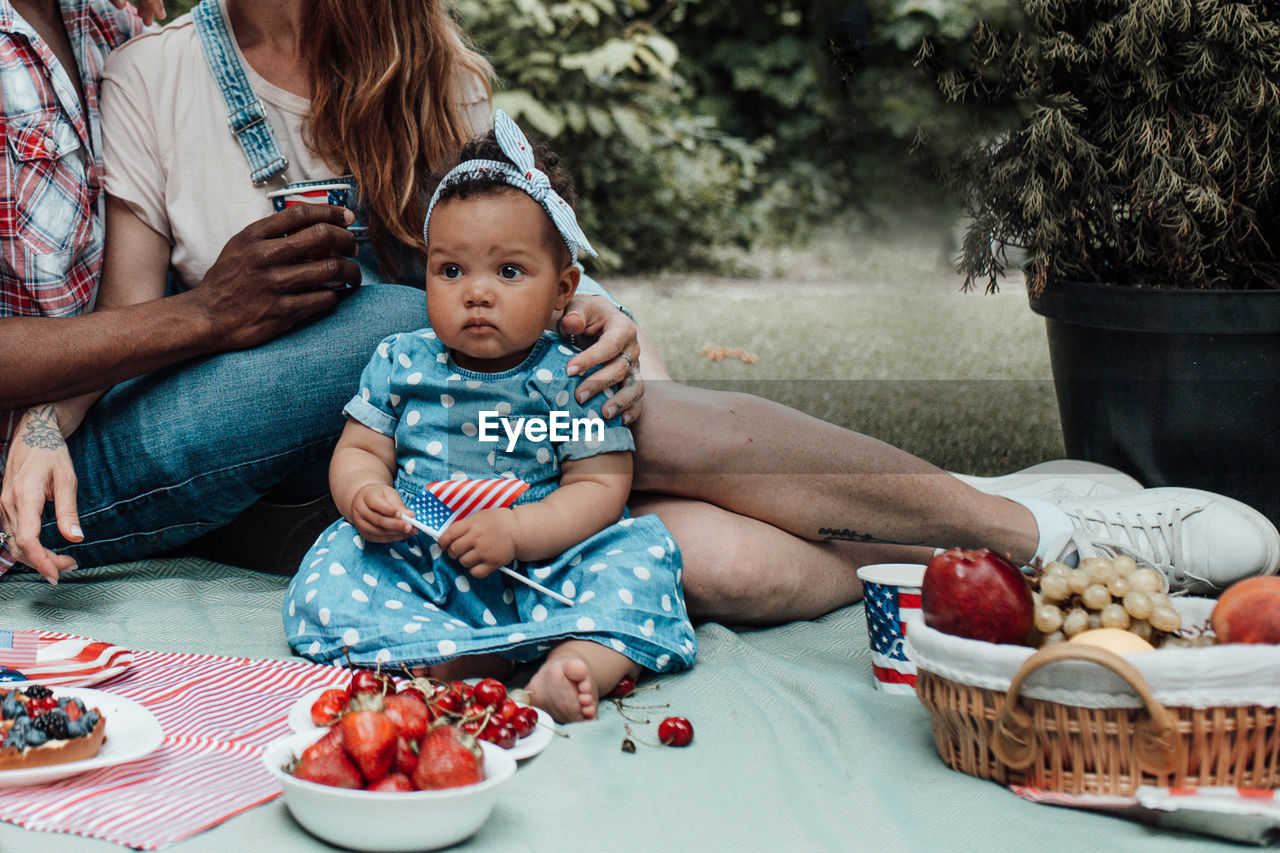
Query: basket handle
x=1157 y=744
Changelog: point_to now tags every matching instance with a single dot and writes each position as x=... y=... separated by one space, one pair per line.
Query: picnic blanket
x=793 y=748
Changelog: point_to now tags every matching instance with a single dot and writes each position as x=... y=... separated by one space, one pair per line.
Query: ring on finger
x=631 y=362
x=4 y=537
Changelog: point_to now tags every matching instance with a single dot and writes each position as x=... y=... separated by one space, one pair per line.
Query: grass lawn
x=875 y=335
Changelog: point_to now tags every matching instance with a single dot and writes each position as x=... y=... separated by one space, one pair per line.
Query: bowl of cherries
x=484 y=708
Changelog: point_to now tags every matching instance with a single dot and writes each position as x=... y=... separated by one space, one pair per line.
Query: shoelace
x=1156 y=542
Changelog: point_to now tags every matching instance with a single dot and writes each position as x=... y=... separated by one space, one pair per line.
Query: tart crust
x=56 y=751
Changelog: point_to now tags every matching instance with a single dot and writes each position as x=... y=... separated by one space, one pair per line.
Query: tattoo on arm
x=43 y=432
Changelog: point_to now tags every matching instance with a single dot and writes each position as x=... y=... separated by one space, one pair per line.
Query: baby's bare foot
x=563 y=687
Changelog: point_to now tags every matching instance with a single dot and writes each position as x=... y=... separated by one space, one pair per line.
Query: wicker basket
x=1014 y=739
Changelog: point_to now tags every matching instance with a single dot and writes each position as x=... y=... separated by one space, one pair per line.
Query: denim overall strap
x=246 y=115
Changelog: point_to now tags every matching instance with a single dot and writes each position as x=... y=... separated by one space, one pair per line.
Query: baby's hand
x=374 y=512
x=482 y=542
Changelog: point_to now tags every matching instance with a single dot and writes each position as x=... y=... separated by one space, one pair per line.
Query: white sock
x=1051 y=522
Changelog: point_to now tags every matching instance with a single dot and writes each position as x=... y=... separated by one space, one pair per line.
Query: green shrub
x=1145 y=151
x=661 y=185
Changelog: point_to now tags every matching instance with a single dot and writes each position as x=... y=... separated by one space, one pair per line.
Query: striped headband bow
x=524 y=176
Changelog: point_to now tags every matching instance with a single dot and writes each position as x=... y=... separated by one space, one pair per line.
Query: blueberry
x=78 y=728
x=35 y=737
x=14 y=739
x=11 y=707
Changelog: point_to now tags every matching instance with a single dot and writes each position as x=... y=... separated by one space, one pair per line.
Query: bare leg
x=841 y=496
x=569 y=683
x=471 y=666
x=742 y=571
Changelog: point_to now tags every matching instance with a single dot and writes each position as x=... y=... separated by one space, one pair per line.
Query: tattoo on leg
x=844 y=534
x=43 y=432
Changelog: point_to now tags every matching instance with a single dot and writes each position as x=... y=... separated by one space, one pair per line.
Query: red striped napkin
x=218 y=713
x=55 y=660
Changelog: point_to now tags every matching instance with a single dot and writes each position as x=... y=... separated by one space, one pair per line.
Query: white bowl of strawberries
x=364 y=785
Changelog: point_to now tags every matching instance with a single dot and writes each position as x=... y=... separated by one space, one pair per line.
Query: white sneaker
x=1203 y=542
x=1057 y=480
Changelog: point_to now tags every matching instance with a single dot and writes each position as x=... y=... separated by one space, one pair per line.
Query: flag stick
x=506 y=570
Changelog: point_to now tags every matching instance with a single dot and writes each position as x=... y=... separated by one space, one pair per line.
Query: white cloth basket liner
x=1203 y=677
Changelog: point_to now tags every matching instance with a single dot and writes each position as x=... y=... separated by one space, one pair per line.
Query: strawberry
x=329 y=742
x=369 y=740
x=406 y=759
x=325 y=763
x=392 y=782
x=448 y=758
x=408 y=712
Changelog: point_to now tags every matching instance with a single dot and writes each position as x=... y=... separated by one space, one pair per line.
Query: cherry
x=675 y=731
x=328 y=707
x=506 y=736
x=490 y=692
x=466 y=691
x=370 y=681
x=415 y=691
x=524 y=722
x=506 y=711
x=624 y=688
x=448 y=701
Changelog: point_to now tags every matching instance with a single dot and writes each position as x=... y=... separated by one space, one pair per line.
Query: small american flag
x=444 y=501
x=18 y=648
x=887 y=610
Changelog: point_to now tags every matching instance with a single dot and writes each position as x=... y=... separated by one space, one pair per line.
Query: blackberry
x=54 y=724
x=38 y=691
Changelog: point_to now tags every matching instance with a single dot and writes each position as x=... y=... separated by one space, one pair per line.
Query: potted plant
x=1140 y=181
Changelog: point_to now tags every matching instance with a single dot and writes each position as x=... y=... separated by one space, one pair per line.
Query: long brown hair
x=383 y=73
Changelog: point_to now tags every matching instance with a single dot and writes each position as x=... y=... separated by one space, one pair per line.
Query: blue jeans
x=169 y=456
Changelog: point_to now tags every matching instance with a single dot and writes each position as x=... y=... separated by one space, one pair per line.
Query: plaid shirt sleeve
x=50 y=222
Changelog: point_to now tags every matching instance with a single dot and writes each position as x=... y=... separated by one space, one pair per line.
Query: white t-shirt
x=169 y=154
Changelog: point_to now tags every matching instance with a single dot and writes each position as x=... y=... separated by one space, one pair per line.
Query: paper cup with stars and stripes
x=312 y=192
x=891 y=594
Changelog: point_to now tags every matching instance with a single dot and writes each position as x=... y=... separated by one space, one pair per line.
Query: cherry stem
x=626 y=716
x=631 y=734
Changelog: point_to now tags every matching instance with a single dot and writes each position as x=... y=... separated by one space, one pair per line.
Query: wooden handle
x=1157 y=745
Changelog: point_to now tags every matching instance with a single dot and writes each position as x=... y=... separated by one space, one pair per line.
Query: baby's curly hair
x=487 y=148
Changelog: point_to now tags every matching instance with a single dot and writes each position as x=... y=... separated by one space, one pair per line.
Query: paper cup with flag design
x=891 y=593
x=311 y=192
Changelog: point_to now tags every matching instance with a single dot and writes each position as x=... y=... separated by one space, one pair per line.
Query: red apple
x=977 y=594
x=1248 y=612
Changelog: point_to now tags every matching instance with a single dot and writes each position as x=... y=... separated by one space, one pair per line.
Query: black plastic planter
x=1177 y=387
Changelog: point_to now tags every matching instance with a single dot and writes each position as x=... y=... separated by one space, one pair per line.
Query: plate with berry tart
x=46 y=735
x=481 y=707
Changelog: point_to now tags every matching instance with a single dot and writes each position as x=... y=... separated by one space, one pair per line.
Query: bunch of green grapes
x=1104 y=592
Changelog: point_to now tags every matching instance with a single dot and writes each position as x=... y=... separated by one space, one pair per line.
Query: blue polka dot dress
x=407 y=602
